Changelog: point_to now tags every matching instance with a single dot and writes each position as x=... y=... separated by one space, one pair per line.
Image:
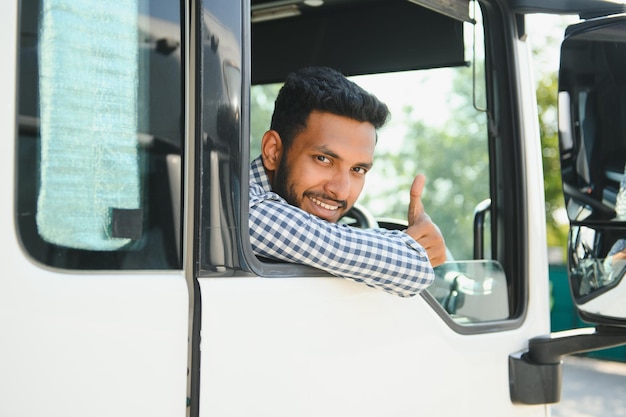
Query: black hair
x=326 y=90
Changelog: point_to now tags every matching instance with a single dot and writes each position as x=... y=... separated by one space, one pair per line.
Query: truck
x=130 y=287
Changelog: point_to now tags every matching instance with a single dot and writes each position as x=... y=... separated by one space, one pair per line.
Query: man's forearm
x=389 y=260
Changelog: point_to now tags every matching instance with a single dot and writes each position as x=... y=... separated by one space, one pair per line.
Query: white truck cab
x=130 y=287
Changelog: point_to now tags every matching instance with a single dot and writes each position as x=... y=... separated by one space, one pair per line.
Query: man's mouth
x=326 y=206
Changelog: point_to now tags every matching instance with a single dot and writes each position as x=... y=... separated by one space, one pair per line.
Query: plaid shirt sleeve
x=384 y=259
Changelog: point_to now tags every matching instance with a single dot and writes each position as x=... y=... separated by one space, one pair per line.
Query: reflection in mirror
x=472 y=291
x=592 y=110
x=592 y=134
x=615 y=262
x=597 y=261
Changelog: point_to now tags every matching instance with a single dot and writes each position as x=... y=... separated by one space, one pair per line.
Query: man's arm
x=388 y=260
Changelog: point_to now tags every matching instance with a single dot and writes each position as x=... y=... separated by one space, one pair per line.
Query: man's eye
x=322 y=158
x=360 y=170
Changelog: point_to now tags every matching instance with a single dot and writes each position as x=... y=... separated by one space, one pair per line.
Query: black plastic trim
x=531 y=383
x=535 y=375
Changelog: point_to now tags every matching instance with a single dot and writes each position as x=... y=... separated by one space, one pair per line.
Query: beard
x=282 y=186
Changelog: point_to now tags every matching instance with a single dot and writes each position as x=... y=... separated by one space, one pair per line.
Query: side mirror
x=592 y=134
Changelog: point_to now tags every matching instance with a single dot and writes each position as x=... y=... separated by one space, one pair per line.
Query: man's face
x=323 y=172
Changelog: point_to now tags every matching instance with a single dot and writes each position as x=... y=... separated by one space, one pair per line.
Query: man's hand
x=619 y=255
x=421 y=227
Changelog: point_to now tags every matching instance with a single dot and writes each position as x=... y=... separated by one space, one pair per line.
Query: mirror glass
x=592 y=121
x=592 y=133
x=472 y=291
x=597 y=264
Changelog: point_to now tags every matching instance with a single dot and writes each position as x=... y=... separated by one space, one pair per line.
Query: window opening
x=99 y=116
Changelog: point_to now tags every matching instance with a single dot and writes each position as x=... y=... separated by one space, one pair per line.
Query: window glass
x=439 y=128
x=100 y=133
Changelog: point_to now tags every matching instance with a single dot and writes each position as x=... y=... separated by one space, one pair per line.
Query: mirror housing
x=592 y=137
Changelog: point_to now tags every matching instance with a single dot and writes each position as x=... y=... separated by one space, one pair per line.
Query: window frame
x=27 y=171
x=506 y=162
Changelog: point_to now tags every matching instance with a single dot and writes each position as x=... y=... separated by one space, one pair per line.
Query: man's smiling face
x=323 y=172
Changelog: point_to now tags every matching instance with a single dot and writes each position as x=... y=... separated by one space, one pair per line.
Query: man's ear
x=271 y=149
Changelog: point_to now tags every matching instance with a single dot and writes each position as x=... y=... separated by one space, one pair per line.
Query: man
x=311 y=170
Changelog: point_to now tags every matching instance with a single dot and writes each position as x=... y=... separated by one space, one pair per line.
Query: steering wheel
x=600 y=211
x=359 y=216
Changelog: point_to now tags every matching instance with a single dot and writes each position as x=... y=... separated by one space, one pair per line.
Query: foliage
x=547 y=89
x=454 y=158
x=262 y=97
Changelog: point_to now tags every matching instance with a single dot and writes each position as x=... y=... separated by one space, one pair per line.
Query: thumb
x=416 y=207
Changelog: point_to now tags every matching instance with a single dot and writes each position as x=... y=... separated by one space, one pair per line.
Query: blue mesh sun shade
x=88 y=117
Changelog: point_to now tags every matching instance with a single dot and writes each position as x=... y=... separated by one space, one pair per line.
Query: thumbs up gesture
x=421 y=227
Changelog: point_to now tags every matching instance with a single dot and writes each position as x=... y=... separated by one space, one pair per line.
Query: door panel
x=327 y=346
x=300 y=342
x=79 y=336
x=97 y=345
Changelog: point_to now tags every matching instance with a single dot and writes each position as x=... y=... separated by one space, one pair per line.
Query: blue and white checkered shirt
x=387 y=259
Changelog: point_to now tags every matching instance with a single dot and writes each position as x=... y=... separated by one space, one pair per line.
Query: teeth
x=324 y=205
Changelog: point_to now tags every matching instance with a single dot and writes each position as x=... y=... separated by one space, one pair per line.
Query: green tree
x=262 y=106
x=547 y=89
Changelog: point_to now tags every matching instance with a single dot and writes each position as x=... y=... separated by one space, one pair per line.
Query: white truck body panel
x=84 y=343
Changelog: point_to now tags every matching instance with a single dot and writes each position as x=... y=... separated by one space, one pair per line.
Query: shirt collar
x=258 y=174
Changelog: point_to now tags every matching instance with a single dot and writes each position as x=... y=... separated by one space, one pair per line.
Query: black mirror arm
x=550 y=349
x=535 y=375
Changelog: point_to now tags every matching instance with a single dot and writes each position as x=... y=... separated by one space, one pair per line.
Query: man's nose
x=338 y=186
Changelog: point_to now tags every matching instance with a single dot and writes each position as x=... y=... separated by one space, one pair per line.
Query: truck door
x=283 y=340
x=93 y=298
